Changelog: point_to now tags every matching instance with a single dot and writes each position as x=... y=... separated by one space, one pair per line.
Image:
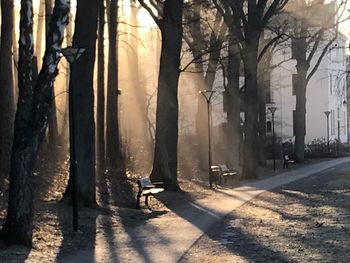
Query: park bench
x=147 y=188
x=226 y=172
x=221 y=173
x=287 y=160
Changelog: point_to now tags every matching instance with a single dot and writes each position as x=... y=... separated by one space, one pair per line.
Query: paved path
x=167 y=238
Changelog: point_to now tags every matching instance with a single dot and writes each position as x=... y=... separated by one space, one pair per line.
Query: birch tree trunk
x=31 y=120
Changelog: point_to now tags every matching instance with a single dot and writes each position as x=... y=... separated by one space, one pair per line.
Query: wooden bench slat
x=153 y=191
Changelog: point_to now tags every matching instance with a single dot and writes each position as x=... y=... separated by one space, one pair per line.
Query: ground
x=116 y=197
x=306 y=221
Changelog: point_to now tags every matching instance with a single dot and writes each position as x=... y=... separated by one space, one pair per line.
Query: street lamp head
x=207 y=94
x=72 y=54
x=327 y=113
x=272 y=109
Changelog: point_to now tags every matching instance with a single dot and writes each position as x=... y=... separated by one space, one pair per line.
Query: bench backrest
x=223 y=168
x=143 y=182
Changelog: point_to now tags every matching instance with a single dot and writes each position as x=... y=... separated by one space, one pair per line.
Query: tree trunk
x=262 y=121
x=166 y=138
x=300 y=108
x=31 y=120
x=6 y=88
x=53 y=128
x=263 y=81
x=300 y=115
x=250 y=159
x=234 y=132
x=112 y=130
x=39 y=32
x=101 y=89
x=63 y=137
x=81 y=80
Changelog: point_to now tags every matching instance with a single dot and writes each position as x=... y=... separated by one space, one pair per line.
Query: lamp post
x=345 y=104
x=272 y=110
x=208 y=94
x=72 y=54
x=327 y=115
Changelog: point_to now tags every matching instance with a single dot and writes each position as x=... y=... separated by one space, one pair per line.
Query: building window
x=330 y=84
x=268 y=126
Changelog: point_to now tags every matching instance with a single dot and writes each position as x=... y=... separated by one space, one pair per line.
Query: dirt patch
x=306 y=221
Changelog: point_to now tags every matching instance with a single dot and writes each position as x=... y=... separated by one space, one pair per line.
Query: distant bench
x=147 y=188
x=221 y=173
x=287 y=160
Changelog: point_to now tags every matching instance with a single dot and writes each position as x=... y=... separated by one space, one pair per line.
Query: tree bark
x=39 y=32
x=81 y=80
x=53 y=127
x=31 y=120
x=251 y=109
x=112 y=130
x=6 y=88
x=300 y=108
x=263 y=77
x=166 y=137
x=101 y=89
x=233 y=102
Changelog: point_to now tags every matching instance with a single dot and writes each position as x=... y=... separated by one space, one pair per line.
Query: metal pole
x=209 y=145
x=328 y=151
x=347 y=130
x=338 y=136
x=273 y=141
x=72 y=159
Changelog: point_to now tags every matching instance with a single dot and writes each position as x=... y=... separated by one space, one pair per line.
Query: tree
x=233 y=104
x=166 y=137
x=33 y=110
x=53 y=129
x=6 y=87
x=112 y=130
x=100 y=115
x=205 y=34
x=246 y=20
x=308 y=38
x=81 y=79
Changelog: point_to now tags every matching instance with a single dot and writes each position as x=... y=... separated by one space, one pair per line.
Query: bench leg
x=138 y=200
x=146 y=201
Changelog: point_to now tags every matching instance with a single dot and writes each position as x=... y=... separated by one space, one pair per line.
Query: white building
x=326 y=91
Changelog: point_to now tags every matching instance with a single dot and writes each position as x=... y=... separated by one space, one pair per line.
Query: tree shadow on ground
x=6 y=253
x=320 y=234
x=117 y=194
x=80 y=241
